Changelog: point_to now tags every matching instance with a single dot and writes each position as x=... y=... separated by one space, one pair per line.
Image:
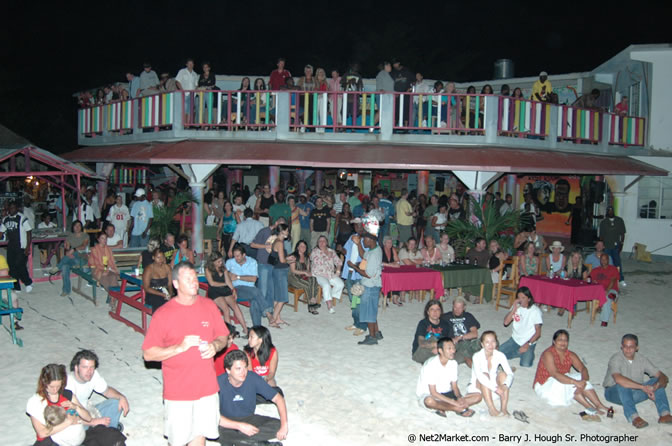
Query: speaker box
x=440 y=184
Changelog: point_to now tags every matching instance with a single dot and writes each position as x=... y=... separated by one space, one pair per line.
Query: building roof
x=371 y=156
x=12 y=144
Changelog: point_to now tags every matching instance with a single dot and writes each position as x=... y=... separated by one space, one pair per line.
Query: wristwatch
x=237 y=277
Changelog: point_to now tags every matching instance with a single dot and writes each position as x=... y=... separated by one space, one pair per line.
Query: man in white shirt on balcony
x=133 y=85
x=187 y=78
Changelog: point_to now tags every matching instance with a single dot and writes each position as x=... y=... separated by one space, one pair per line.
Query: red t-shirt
x=186 y=377
x=219 y=359
x=277 y=80
x=262 y=370
x=603 y=276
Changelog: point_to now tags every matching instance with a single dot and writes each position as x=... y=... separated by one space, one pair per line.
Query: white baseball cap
x=140 y=192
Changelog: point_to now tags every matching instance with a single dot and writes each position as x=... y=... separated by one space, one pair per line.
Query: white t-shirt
x=71 y=436
x=524 y=320
x=188 y=79
x=83 y=391
x=112 y=241
x=43 y=225
x=251 y=202
x=119 y=217
x=436 y=374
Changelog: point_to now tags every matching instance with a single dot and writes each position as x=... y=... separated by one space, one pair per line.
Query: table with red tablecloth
x=412 y=278
x=565 y=293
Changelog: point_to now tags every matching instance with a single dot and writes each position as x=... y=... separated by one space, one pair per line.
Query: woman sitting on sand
x=487 y=379
x=263 y=357
x=157 y=281
x=557 y=384
x=51 y=392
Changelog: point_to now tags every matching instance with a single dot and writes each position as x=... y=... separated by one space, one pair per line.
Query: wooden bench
x=136 y=301
x=126 y=257
x=298 y=292
x=87 y=277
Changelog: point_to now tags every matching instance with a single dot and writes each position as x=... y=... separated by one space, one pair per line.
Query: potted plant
x=164 y=216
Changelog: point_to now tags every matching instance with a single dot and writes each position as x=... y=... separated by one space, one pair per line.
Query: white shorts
x=186 y=420
x=555 y=393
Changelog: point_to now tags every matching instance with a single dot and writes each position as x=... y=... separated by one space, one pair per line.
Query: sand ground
x=340 y=393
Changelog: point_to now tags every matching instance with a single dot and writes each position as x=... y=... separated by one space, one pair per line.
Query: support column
x=319 y=180
x=423 y=182
x=301 y=175
x=285 y=179
x=273 y=178
x=237 y=177
x=103 y=170
x=198 y=174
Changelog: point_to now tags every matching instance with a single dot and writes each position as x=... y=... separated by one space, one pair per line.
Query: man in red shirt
x=607 y=276
x=279 y=76
x=185 y=334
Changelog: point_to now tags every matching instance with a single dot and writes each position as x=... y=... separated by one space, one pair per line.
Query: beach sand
x=340 y=393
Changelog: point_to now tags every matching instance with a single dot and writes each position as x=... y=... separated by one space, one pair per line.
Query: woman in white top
x=556 y=259
x=411 y=255
x=440 y=219
x=527 y=321
x=487 y=379
x=447 y=251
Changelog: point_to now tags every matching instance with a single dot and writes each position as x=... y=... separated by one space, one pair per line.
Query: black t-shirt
x=455 y=214
x=320 y=218
x=238 y=402
x=266 y=203
x=460 y=325
x=402 y=79
x=168 y=252
x=13 y=234
x=428 y=330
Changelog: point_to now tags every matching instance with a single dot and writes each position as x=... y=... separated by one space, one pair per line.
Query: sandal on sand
x=639 y=423
x=466 y=413
x=440 y=413
x=585 y=417
x=561 y=312
x=520 y=416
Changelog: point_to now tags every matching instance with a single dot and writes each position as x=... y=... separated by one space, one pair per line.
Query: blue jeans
x=629 y=398
x=355 y=311
x=280 y=285
x=615 y=254
x=65 y=265
x=265 y=282
x=110 y=408
x=510 y=349
x=138 y=241
x=257 y=301
x=369 y=305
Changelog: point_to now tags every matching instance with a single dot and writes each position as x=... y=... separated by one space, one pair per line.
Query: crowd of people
x=326 y=244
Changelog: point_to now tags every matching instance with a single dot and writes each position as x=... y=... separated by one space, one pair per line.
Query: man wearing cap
x=149 y=81
x=612 y=232
x=371 y=281
x=541 y=89
x=142 y=215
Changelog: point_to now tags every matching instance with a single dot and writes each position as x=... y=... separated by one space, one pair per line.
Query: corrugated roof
x=372 y=156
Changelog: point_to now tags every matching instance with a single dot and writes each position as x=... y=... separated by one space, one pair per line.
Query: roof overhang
x=370 y=156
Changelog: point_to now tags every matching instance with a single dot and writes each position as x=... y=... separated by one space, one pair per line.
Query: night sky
x=51 y=50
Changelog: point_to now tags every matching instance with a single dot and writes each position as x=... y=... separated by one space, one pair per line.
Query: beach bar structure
x=478 y=137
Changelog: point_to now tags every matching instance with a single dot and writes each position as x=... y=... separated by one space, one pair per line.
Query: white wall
x=660 y=120
x=654 y=233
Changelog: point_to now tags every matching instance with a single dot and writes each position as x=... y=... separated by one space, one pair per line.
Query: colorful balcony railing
x=522 y=117
x=439 y=112
x=627 y=130
x=361 y=112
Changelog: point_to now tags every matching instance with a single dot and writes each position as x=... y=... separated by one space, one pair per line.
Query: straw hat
x=556 y=244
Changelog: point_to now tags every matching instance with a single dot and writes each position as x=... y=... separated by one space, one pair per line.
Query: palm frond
x=164 y=221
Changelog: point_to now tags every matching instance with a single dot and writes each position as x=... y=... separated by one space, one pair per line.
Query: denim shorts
x=368 y=305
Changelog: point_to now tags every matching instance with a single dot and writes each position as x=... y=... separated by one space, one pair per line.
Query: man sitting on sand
x=238 y=390
x=464 y=331
x=626 y=384
x=437 y=388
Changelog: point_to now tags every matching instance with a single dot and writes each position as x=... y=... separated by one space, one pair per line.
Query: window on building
x=633 y=97
x=654 y=197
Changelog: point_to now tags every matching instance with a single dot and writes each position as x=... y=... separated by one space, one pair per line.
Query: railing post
x=104 y=111
x=137 y=119
x=282 y=114
x=553 y=124
x=491 y=118
x=386 y=116
x=178 y=111
x=605 y=132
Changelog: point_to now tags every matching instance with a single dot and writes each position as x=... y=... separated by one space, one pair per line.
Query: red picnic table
x=412 y=278
x=565 y=293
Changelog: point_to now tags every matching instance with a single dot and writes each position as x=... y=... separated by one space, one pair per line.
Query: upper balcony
x=362 y=118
